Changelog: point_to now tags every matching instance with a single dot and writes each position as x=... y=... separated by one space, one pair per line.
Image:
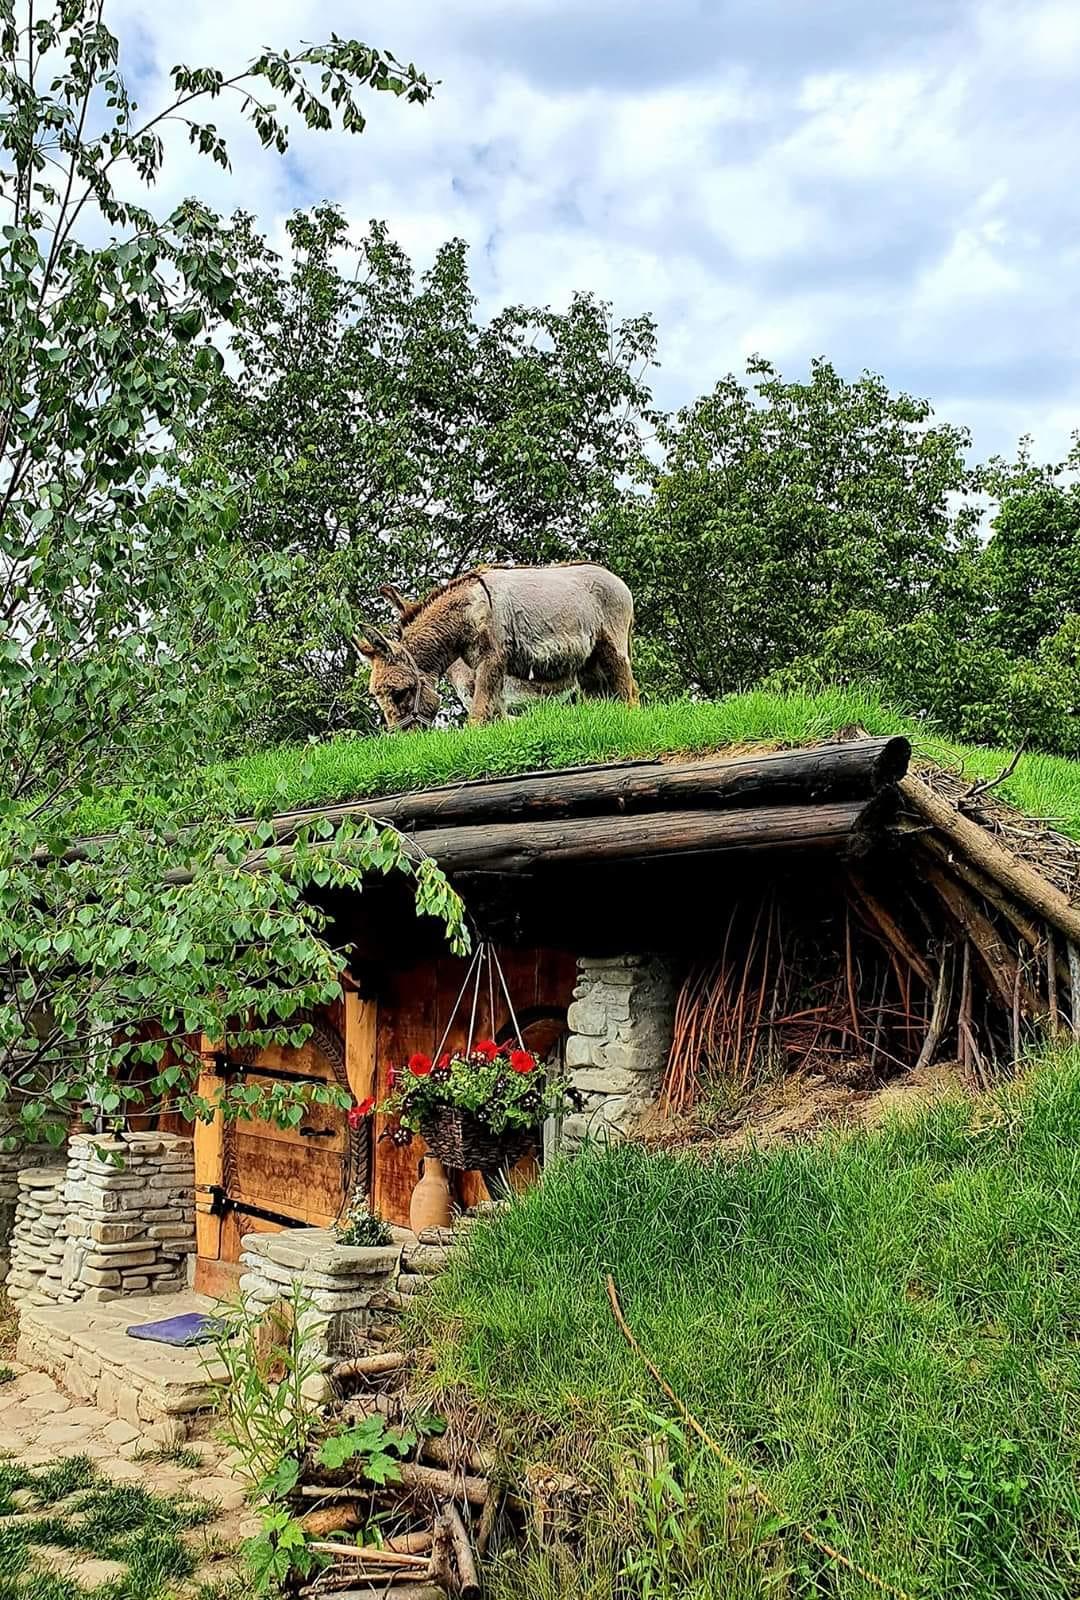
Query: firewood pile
x=436 y=1515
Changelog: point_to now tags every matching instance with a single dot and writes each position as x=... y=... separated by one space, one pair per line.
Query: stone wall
x=118 y=1220
x=39 y=1235
x=620 y=1022
x=12 y=1162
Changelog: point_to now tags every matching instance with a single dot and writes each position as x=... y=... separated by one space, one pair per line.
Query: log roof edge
x=837 y=769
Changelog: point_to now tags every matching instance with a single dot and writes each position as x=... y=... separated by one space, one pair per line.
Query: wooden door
x=253 y=1175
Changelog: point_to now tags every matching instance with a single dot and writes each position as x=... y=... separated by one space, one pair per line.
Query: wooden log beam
x=524 y=846
x=509 y=847
x=1016 y=876
x=851 y=770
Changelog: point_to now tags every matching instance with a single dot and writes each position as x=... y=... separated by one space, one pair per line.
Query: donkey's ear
x=395 y=597
x=373 y=648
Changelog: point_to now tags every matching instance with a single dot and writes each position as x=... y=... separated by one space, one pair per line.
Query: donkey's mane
x=415 y=607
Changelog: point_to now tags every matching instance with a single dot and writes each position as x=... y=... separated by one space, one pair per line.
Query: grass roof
x=555 y=736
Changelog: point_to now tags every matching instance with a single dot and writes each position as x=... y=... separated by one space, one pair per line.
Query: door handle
x=316 y=1133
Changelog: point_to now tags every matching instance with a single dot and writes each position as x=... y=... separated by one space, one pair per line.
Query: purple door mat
x=194 y=1327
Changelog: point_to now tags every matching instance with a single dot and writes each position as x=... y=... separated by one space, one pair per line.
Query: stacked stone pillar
x=118 y=1220
x=37 y=1240
x=350 y=1297
x=621 y=1023
x=20 y=1156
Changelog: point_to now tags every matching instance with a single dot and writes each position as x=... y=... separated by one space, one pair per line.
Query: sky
x=891 y=185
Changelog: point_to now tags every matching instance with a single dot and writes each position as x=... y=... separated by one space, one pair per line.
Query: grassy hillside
x=560 y=736
x=884 y=1330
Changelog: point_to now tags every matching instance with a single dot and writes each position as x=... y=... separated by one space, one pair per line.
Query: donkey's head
x=407 y=696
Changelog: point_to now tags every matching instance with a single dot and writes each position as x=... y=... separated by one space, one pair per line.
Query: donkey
x=504 y=633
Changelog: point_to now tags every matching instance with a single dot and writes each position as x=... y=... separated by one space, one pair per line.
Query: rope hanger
x=484 y=959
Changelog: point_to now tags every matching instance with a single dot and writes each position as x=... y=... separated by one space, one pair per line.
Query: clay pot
x=430 y=1206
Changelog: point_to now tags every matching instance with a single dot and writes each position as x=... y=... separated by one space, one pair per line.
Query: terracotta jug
x=430 y=1206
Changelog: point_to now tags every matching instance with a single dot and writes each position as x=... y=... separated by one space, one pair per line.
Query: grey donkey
x=504 y=635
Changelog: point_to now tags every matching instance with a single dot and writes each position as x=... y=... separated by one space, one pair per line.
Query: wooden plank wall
x=414 y=1006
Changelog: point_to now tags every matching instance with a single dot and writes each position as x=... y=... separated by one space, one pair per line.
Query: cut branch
x=940 y=1013
x=996 y=958
x=1031 y=932
x=1014 y=875
x=890 y=930
x=376 y=1366
x=468 y=1582
x=986 y=784
x=448 y=1486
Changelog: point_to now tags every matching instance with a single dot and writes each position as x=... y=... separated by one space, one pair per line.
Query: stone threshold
x=86 y=1349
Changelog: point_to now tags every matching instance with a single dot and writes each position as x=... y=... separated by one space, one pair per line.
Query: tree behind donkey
x=382 y=431
x=780 y=507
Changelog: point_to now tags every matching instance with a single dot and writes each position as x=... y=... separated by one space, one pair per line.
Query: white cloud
x=892 y=191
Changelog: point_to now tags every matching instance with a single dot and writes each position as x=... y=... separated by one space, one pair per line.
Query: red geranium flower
x=359 y=1112
x=486 y=1048
x=419 y=1065
x=443 y=1061
x=522 y=1061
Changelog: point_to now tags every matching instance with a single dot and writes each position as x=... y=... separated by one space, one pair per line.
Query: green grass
x=176 y=1455
x=555 y=736
x=91 y=1517
x=884 y=1329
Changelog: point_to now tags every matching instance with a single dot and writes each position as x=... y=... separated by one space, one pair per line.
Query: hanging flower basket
x=460 y=1139
x=479 y=1107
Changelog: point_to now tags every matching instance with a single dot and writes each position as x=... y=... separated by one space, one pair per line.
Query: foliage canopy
x=376 y=431
x=122 y=608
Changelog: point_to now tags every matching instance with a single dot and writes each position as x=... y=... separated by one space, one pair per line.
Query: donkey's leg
x=608 y=673
x=487 y=700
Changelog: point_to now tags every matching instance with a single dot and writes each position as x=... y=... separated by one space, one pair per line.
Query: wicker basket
x=461 y=1140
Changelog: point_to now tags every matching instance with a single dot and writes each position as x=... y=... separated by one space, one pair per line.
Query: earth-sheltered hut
x=662 y=924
